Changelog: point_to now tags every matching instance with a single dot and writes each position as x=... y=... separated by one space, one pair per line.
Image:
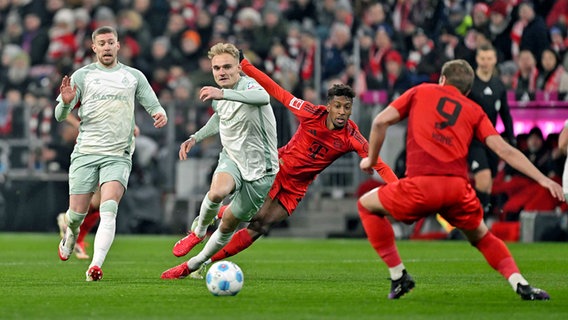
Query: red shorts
x=410 y=199
x=288 y=192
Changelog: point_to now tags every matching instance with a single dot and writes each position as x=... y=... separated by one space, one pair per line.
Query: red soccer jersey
x=441 y=124
x=313 y=147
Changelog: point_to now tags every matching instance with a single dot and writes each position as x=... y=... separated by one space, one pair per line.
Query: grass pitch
x=284 y=279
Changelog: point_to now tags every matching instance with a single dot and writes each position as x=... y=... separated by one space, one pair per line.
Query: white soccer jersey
x=107 y=100
x=247 y=127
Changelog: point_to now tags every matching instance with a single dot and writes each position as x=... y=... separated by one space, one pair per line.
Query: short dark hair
x=340 y=90
x=486 y=47
x=459 y=74
x=104 y=30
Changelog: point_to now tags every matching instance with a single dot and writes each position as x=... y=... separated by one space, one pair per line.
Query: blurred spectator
x=190 y=50
x=306 y=58
x=552 y=77
x=248 y=20
x=423 y=61
x=523 y=193
x=326 y=17
x=458 y=17
x=480 y=17
x=500 y=27
x=104 y=16
x=84 y=53
x=303 y=11
x=62 y=46
x=507 y=71
x=272 y=30
x=202 y=76
x=134 y=31
x=281 y=67
x=204 y=26
x=57 y=154
x=396 y=79
x=336 y=51
x=524 y=81
x=535 y=33
x=559 y=44
x=558 y=15
x=14 y=69
x=373 y=58
x=35 y=39
x=343 y=13
x=375 y=17
x=154 y=13
x=175 y=28
x=13 y=29
x=447 y=44
x=11 y=115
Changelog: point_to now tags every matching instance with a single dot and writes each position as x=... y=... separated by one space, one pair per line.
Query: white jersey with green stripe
x=107 y=99
x=247 y=127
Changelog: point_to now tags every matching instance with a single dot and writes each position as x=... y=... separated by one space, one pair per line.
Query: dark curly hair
x=340 y=90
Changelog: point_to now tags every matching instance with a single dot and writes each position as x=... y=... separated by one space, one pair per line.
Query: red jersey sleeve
x=361 y=146
x=300 y=108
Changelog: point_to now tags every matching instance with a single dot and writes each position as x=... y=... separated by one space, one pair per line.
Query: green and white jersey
x=247 y=127
x=107 y=99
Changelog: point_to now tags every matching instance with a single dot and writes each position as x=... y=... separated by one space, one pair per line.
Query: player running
x=324 y=134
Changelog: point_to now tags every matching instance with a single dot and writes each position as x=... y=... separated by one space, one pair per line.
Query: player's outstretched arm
x=519 y=161
x=267 y=83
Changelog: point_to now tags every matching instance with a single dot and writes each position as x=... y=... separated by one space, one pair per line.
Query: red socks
x=380 y=235
x=497 y=255
x=239 y=242
x=90 y=221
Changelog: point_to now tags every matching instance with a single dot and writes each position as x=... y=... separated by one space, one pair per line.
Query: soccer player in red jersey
x=325 y=133
x=441 y=125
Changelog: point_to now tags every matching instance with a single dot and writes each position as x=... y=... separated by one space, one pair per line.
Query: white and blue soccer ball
x=224 y=278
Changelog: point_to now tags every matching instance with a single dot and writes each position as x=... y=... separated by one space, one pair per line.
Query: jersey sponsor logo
x=296 y=103
x=97 y=96
x=317 y=149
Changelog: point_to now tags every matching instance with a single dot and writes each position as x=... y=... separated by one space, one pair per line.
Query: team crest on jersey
x=337 y=143
x=296 y=103
x=252 y=85
x=125 y=81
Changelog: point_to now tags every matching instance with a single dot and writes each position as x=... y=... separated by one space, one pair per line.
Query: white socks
x=396 y=272
x=105 y=232
x=74 y=220
x=515 y=279
x=217 y=241
x=207 y=212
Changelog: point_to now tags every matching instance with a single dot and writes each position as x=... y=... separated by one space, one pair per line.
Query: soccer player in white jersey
x=247 y=164
x=106 y=91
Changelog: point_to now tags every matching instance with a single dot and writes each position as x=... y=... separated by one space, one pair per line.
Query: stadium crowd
x=387 y=45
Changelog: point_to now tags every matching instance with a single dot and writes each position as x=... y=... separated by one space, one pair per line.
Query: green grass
x=284 y=279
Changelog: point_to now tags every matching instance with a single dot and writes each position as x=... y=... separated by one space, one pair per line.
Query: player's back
x=441 y=125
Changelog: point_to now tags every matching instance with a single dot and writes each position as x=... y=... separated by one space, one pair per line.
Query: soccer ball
x=224 y=278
